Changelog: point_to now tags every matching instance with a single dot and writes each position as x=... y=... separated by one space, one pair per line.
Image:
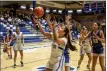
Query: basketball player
x=7 y=47
x=84 y=47
x=97 y=38
x=10 y=46
x=6 y=41
x=18 y=45
x=69 y=45
x=57 y=59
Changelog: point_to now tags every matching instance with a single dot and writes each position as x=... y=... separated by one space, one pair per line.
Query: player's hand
x=53 y=25
x=37 y=21
x=68 y=17
x=95 y=35
x=48 y=17
x=35 y=16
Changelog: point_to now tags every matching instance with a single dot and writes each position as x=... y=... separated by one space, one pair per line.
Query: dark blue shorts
x=98 y=50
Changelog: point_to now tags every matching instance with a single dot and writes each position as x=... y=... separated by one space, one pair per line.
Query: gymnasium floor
x=36 y=56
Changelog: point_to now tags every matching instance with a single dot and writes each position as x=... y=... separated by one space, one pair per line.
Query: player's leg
x=82 y=52
x=89 y=60
x=10 y=52
x=15 y=56
x=88 y=52
x=101 y=61
x=80 y=60
x=67 y=61
x=21 y=54
x=94 y=61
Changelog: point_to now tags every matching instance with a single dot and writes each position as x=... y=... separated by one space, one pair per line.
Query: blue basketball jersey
x=97 y=46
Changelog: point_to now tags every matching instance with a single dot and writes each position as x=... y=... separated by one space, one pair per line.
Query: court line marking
x=26 y=63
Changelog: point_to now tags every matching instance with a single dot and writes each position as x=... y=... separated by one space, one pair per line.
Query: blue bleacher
x=36 y=40
x=1 y=26
x=24 y=30
x=4 y=30
x=32 y=39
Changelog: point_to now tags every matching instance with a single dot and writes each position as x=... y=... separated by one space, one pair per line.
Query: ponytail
x=69 y=45
x=66 y=31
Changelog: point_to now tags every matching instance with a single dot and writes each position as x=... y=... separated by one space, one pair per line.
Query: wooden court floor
x=37 y=55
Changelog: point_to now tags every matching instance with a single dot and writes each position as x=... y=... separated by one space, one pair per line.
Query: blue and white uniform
x=57 y=59
x=97 y=47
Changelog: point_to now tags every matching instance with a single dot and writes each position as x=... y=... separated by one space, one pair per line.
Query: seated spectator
x=21 y=23
x=10 y=20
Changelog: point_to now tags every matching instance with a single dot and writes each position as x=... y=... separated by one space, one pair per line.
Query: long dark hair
x=66 y=31
x=99 y=25
x=69 y=44
x=10 y=32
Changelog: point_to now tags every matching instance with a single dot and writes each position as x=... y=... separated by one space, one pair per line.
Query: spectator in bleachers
x=18 y=22
x=22 y=24
x=44 y=23
x=1 y=18
x=9 y=20
x=15 y=22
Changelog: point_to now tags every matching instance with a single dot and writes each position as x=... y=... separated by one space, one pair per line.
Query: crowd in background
x=21 y=19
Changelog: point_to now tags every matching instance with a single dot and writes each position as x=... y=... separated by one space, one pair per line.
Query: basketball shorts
x=85 y=50
x=98 y=51
x=17 y=47
x=56 y=64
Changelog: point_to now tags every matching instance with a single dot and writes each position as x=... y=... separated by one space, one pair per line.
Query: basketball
x=39 y=11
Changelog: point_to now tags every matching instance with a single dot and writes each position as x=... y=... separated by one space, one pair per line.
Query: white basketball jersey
x=86 y=42
x=57 y=59
x=18 y=38
x=58 y=49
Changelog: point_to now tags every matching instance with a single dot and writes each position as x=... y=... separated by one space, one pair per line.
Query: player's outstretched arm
x=47 y=34
x=68 y=25
x=48 y=21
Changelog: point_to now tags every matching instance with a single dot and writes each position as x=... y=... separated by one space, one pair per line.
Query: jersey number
x=95 y=40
